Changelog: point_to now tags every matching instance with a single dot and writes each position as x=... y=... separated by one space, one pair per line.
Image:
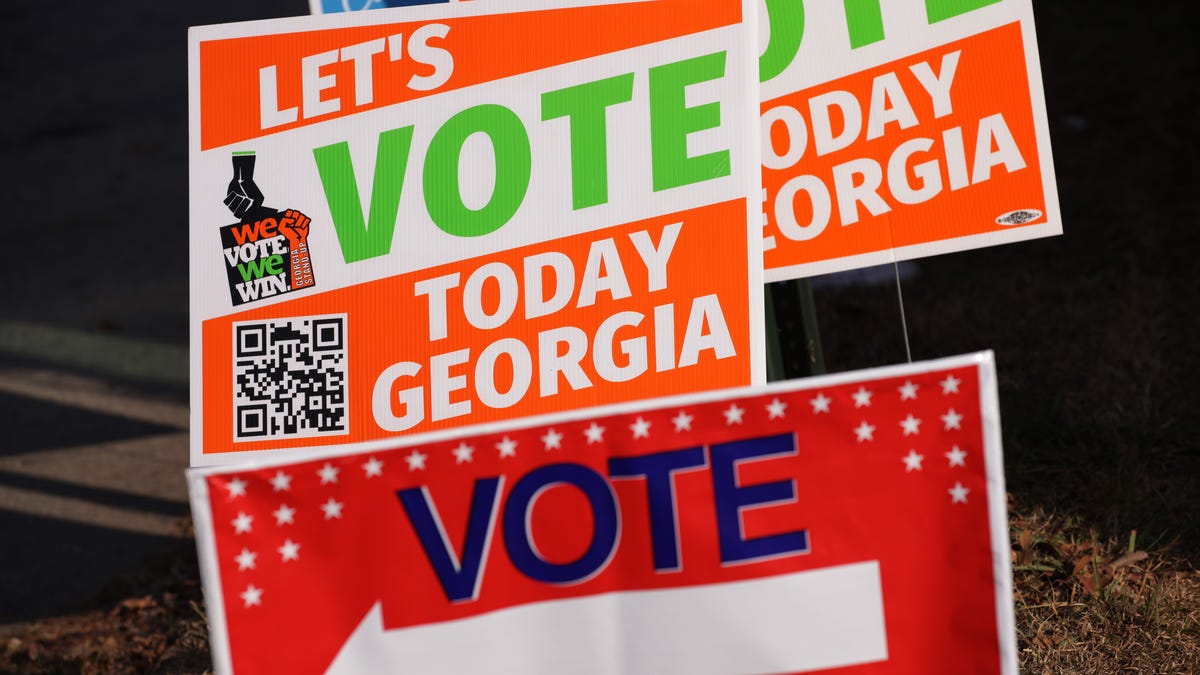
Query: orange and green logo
x=266 y=251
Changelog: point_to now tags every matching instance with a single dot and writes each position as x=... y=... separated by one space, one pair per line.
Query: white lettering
x=412 y=399
x=269 y=114
x=364 y=75
x=655 y=258
x=485 y=371
x=851 y=193
x=706 y=311
x=938 y=86
x=888 y=104
x=993 y=132
x=536 y=302
x=602 y=272
x=442 y=384
x=313 y=83
x=797 y=137
x=822 y=124
x=441 y=60
x=506 y=282
x=926 y=172
x=436 y=290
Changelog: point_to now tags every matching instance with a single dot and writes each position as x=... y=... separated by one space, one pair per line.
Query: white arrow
x=792 y=623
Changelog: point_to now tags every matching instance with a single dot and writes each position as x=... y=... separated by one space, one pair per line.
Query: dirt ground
x=1093 y=332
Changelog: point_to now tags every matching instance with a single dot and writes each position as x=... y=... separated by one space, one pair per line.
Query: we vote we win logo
x=266 y=252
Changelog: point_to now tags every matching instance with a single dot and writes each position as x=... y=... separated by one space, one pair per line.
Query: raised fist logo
x=266 y=251
x=294 y=226
x=243 y=197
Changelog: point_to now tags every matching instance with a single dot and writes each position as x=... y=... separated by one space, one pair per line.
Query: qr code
x=289 y=378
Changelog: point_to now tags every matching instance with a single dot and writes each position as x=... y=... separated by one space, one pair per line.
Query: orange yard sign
x=374 y=66
x=398 y=227
x=571 y=323
x=940 y=149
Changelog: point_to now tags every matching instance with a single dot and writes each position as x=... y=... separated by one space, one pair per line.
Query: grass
x=1087 y=605
x=1099 y=428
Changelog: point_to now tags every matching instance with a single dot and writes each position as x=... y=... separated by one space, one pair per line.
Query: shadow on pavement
x=108 y=497
x=38 y=425
x=49 y=566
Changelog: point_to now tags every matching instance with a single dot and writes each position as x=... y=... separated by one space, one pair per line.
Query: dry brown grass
x=1086 y=605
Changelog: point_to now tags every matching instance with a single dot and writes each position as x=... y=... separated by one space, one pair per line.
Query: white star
x=552 y=440
x=332 y=508
x=236 y=487
x=862 y=398
x=463 y=453
x=952 y=419
x=950 y=384
x=912 y=461
x=373 y=467
x=284 y=514
x=328 y=474
x=281 y=482
x=682 y=421
x=957 y=457
x=908 y=392
x=912 y=425
x=594 y=433
x=252 y=595
x=289 y=551
x=958 y=493
x=640 y=428
x=242 y=523
x=865 y=432
x=820 y=404
x=775 y=409
x=733 y=414
x=245 y=559
x=507 y=447
x=416 y=460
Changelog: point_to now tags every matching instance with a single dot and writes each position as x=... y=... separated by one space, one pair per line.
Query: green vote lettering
x=361 y=240
x=864 y=25
x=864 y=20
x=586 y=106
x=513 y=159
x=785 y=19
x=671 y=121
x=940 y=10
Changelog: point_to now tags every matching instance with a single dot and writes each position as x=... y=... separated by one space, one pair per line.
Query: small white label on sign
x=1019 y=217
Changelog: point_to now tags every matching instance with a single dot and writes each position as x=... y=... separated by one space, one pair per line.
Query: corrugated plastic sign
x=423 y=218
x=902 y=129
x=851 y=524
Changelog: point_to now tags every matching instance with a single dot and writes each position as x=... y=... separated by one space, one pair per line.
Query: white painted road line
x=70 y=509
x=110 y=354
x=133 y=485
x=789 y=623
x=91 y=394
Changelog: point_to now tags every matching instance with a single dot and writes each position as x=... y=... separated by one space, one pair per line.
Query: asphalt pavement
x=93 y=290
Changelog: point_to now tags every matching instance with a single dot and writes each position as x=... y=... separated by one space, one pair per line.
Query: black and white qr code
x=289 y=378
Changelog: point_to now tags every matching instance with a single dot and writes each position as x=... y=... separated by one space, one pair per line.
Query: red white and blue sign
x=846 y=524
